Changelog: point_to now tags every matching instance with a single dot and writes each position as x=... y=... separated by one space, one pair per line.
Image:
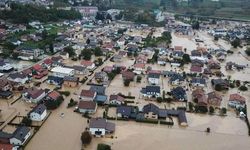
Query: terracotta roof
x=54 y=95
x=27 y=71
x=48 y=61
x=128 y=75
x=108 y=69
x=140 y=65
x=86 y=63
x=6 y=146
x=88 y=93
x=3 y=82
x=37 y=67
x=56 y=58
x=87 y=105
x=178 y=48
x=237 y=97
x=214 y=95
x=34 y=92
x=116 y=97
x=195 y=69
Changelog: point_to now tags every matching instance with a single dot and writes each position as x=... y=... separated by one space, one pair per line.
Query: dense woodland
x=26 y=13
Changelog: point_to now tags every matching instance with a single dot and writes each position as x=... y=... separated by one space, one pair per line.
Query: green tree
x=98 y=51
x=26 y=121
x=191 y=106
x=70 y=51
x=243 y=88
x=211 y=109
x=159 y=99
x=235 y=43
x=102 y=146
x=138 y=79
x=86 y=138
x=86 y=53
x=126 y=82
x=186 y=58
x=223 y=111
x=247 y=51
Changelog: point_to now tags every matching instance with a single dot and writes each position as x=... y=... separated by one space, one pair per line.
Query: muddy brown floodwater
x=228 y=132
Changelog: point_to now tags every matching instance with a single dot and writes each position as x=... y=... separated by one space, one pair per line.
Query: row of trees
x=26 y=13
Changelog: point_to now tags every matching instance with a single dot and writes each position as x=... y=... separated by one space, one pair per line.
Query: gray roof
x=153 y=89
x=39 y=109
x=198 y=80
x=17 y=75
x=72 y=79
x=100 y=90
x=20 y=133
x=124 y=110
x=4 y=135
x=151 y=108
x=154 y=75
x=101 y=123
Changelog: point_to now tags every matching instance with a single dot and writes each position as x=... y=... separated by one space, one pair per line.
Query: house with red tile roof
x=199 y=95
x=108 y=69
x=178 y=48
x=88 y=95
x=88 y=64
x=87 y=107
x=33 y=95
x=214 y=98
x=48 y=62
x=141 y=59
x=196 y=69
x=237 y=101
x=6 y=146
x=128 y=75
x=139 y=68
x=116 y=100
x=54 y=95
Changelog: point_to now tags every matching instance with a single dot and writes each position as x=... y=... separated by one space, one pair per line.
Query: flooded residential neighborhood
x=87 y=77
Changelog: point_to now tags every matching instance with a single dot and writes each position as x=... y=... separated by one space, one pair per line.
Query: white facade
x=19 y=80
x=153 y=81
x=91 y=67
x=15 y=141
x=6 y=67
x=91 y=111
x=101 y=131
x=115 y=102
x=236 y=104
x=151 y=94
x=36 y=100
x=62 y=72
x=38 y=117
x=160 y=62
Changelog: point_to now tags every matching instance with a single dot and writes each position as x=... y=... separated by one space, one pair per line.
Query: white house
x=139 y=68
x=88 y=64
x=237 y=101
x=20 y=136
x=100 y=127
x=18 y=77
x=153 y=78
x=87 y=107
x=5 y=67
x=116 y=100
x=62 y=72
x=38 y=113
x=151 y=91
x=33 y=95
